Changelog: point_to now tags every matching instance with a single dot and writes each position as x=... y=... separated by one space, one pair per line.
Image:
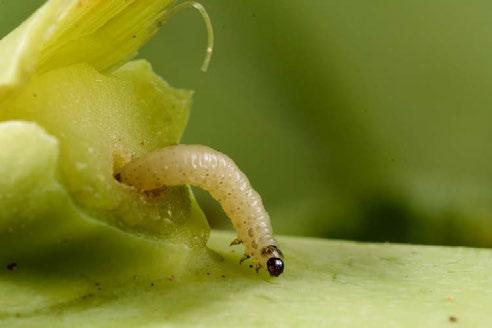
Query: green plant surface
x=103 y=34
x=62 y=268
x=327 y=283
x=79 y=249
x=66 y=71
x=101 y=123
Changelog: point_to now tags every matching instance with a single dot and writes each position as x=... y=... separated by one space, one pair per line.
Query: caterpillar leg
x=236 y=241
x=244 y=258
x=213 y=171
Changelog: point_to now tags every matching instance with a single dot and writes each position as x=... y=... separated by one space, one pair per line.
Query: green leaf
x=329 y=283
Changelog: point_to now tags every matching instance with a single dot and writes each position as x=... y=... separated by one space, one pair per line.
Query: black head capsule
x=275 y=266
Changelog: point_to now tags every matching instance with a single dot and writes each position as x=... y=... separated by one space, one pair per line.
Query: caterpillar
x=203 y=167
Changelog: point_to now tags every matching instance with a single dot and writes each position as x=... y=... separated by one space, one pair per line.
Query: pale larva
x=213 y=171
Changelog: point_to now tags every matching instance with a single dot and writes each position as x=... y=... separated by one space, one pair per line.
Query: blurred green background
x=354 y=119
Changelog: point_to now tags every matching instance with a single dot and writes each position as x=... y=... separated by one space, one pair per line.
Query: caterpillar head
x=274 y=260
x=275 y=266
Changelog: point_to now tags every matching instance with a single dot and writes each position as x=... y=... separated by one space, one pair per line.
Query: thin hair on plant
x=208 y=23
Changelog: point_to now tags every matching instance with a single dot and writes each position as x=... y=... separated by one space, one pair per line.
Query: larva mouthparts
x=216 y=173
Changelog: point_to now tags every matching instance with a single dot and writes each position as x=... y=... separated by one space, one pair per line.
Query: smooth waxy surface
x=327 y=283
x=102 y=122
x=52 y=255
x=62 y=69
x=71 y=270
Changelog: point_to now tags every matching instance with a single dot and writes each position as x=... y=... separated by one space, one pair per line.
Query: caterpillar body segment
x=216 y=173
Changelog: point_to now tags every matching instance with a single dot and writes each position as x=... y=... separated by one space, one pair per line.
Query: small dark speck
x=223 y=276
x=171 y=278
x=134 y=36
x=84 y=297
x=151 y=284
x=208 y=273
x=452 y=318
x=251 y=265
x=12 y=266
x=34 y=95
